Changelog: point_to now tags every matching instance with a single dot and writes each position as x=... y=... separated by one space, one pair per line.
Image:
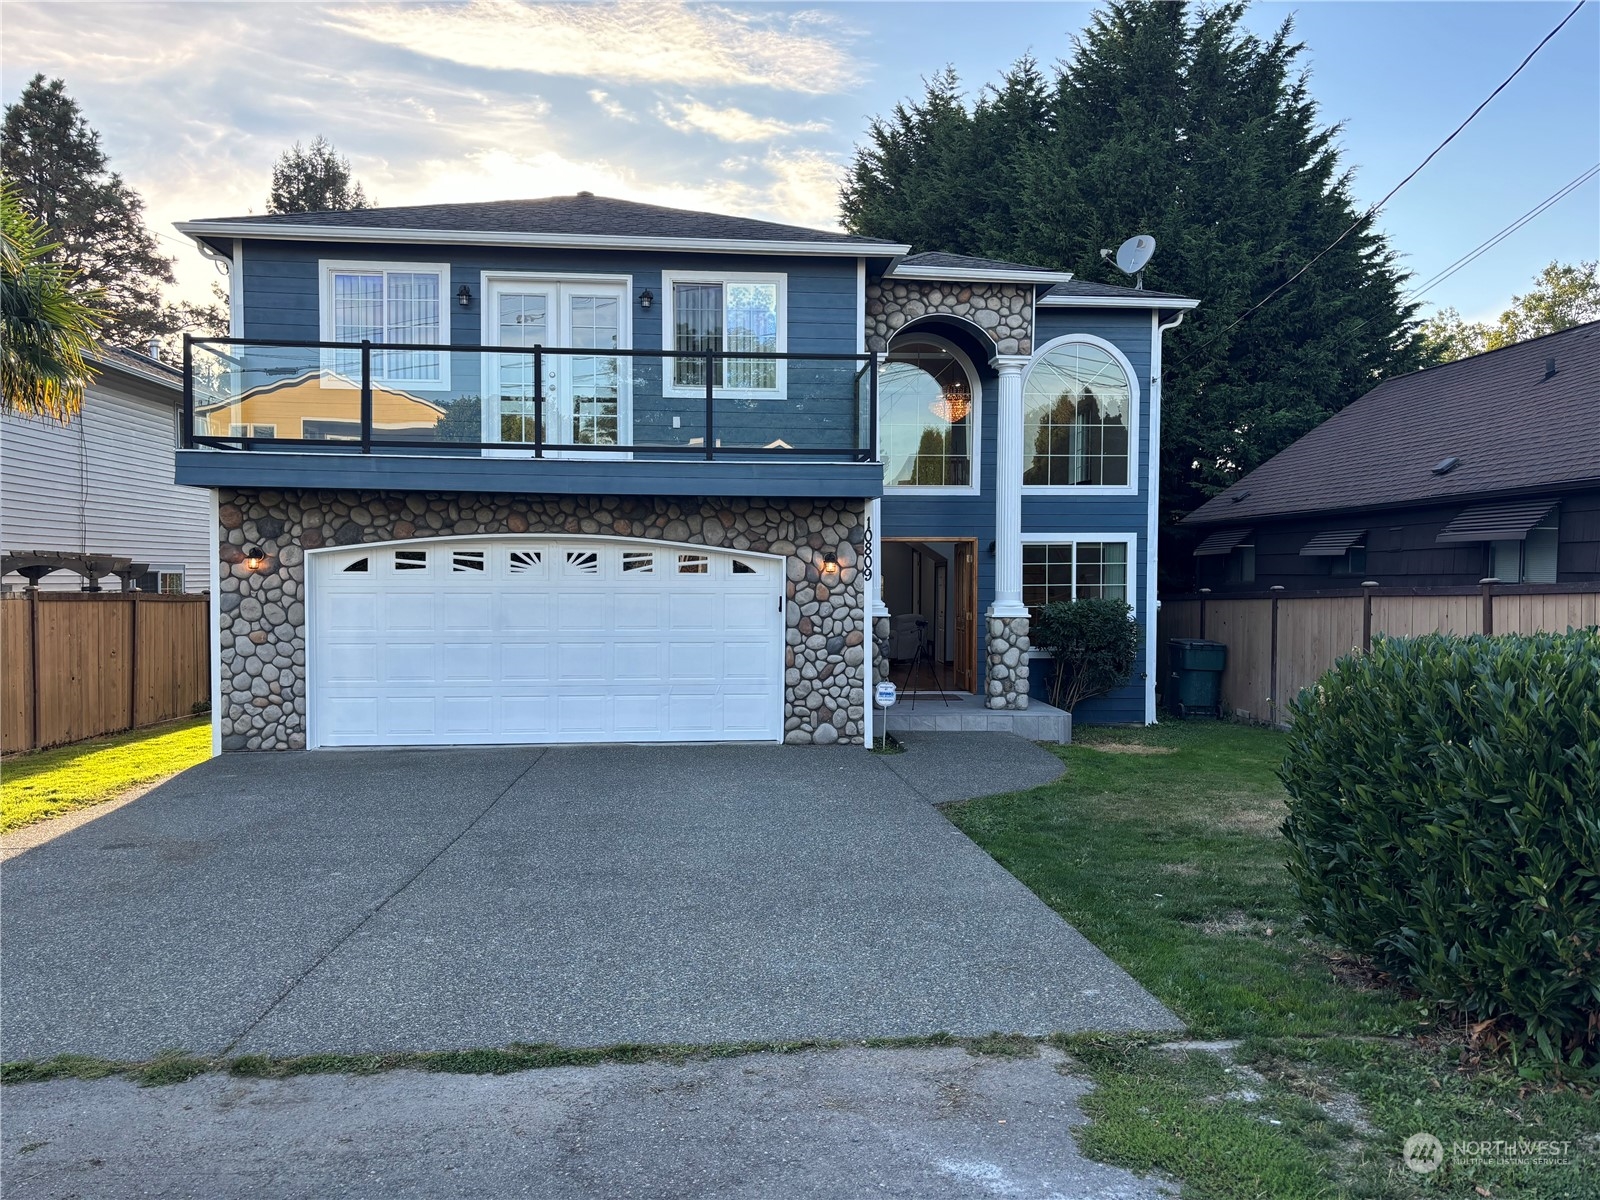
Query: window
x=252 y=431
x=1352 y=562
x=693 y=564
x=725 y=314
x=928 y=404
x=387 y=302
x=1077 y=411
x=169 y=581
x=1054 y=571
x=410 y=560
x=1530 y=561
x=1242 y=564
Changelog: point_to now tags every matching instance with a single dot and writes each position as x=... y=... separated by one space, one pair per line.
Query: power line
x=1484 y=247
x=1376 y=208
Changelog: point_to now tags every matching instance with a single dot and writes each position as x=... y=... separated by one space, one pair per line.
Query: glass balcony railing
x=555 y=401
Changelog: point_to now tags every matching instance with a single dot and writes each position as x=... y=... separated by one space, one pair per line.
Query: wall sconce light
x=646 y=299
x=830 y=563
x=254 y=559
x=991 y=549
x=464 y=296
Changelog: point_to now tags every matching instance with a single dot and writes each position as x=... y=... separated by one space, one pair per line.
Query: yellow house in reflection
x=316 y=406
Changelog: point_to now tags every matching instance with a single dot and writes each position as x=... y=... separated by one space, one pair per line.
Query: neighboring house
x=101 y=486
x=579 y=469
x=1488 y=467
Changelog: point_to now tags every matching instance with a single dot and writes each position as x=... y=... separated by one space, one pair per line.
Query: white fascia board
x=1114 y=302
x=568 y=241
x=978 y=275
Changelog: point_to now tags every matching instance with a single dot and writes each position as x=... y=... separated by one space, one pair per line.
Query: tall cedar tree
x=1178 y=123
x=314 y=179
x=63 y=179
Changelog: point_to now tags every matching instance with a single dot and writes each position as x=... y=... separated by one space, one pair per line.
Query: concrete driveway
x=357 y=901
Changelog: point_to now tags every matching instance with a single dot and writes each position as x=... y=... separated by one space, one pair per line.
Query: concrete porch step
x=963 y=712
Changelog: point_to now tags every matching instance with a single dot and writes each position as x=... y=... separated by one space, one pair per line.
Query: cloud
x=612 y=108
x=730 y=124
x=193 y=106
x=660 y=42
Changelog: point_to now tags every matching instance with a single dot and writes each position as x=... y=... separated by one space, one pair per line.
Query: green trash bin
x=1194 y=677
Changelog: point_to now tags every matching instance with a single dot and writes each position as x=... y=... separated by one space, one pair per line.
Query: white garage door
x=474 y=640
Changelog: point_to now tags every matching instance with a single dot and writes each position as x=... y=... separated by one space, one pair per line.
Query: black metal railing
x=366 y=397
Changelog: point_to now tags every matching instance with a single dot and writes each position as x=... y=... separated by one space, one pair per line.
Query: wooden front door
x=966 y=647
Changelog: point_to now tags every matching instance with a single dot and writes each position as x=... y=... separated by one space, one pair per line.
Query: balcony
x=558 y=418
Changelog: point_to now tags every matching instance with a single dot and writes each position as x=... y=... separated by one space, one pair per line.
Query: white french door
x=586 y=400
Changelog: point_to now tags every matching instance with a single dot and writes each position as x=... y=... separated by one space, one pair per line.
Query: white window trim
x=669 y=341
x=1131 y=488
x=1130 y=540
x=160 y=569
x=975 y=438
x=328 y=267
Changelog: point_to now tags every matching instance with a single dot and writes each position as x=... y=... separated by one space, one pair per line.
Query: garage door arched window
x=1079 y=406
x=928 y=406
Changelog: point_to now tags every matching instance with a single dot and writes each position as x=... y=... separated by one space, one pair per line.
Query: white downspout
x=1152 y=600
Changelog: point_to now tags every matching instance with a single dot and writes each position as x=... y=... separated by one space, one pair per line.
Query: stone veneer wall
x=1002 y=310
x=262 y=634
x=1006 y=680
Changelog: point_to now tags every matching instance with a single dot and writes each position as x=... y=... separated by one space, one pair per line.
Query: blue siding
x=282 y=296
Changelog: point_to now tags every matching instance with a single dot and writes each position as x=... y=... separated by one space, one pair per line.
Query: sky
x=755 y=109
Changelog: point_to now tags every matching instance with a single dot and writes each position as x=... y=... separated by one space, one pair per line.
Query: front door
x=966 y=647
x=585 y=397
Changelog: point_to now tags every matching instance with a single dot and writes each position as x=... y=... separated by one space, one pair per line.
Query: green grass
x=35 y=787
x=1162 y=846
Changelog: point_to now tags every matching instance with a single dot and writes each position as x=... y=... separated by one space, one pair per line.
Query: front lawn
x=1162 y=846
x=35 y=787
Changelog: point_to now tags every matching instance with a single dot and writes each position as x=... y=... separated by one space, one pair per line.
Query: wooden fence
x=1280 y=642
x=83 y=664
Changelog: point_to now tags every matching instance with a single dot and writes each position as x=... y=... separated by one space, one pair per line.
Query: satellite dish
x=1134 y=253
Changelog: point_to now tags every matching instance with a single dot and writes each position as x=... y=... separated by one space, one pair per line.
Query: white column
x=1008 y=490
x=875 y=605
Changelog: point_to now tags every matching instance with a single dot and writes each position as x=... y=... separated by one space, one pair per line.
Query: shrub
x=1444 y=818
x=1095 y=645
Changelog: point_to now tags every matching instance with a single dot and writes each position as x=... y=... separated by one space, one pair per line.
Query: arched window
x=1077 y=413
x=928 y=400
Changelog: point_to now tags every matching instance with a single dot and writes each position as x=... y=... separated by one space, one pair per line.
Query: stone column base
x=1006 y=680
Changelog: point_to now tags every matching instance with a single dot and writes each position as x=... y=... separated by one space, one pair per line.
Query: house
x=581 y=469
x=1488 y=467
x=95 y=498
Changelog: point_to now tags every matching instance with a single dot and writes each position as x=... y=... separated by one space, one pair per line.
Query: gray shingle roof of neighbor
x=1514 y=426
x=581 y=215
x=139 y=364
x=1080 y=287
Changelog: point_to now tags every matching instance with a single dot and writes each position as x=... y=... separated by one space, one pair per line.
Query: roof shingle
x=1512 y=425
x=581 y=215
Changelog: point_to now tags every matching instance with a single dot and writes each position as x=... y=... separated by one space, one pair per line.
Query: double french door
x=585 y=396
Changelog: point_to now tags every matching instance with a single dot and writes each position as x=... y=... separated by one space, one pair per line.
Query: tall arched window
x=928 y=399
x=1077 y=412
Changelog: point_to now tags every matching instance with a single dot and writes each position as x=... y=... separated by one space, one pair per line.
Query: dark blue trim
x=527 y=476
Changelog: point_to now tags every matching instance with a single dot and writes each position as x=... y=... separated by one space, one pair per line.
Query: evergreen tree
x=317 y=179
x=90 y=214
x=1178 y=123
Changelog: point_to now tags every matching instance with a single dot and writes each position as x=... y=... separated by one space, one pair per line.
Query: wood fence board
x=1313 y=634
x=16 y=681
x=1412 y=616
x=93 y=678
x=1245 y=627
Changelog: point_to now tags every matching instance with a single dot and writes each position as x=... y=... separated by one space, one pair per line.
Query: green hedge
x=1444 y=818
